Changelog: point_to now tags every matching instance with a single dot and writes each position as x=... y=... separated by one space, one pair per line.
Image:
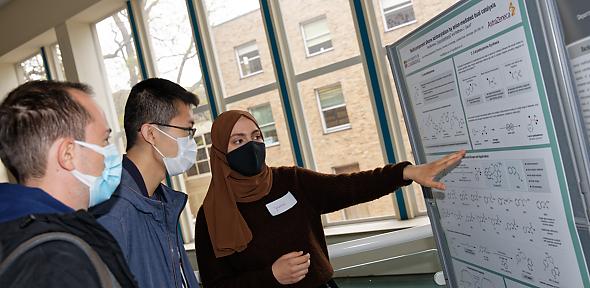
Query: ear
x=147 y=131
x=66 y=152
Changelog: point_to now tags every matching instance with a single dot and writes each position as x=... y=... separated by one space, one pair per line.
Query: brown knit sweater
x=297 y=229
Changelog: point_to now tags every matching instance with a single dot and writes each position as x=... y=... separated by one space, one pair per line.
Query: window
x=171 y=43
x=258 y=95
x=248 y=59
x=397 y=13
x=326 y=109
x=119 y=58
x=333 y=108
x=316 y=36
x=387 y=35
x=354 y=212
x=199 y=175
x=263 y=115
x=57 y=59
x=32 y=68
x=202 y=165
x=372 y=209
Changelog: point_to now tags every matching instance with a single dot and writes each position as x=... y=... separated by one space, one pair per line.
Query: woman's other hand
x=291 y=267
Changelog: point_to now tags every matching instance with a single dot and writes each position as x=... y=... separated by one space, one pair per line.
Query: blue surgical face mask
x=102 y=187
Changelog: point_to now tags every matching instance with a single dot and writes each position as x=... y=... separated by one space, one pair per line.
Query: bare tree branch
x=131 y=68
x=184 y=59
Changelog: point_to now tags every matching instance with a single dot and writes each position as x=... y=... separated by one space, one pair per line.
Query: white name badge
x=282 y=204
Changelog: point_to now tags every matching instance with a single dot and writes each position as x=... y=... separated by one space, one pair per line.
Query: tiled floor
x=405 y=281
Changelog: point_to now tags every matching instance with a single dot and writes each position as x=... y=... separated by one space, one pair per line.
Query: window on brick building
x=333 y=108
x=202 y=165
x=248 y=59
x=263 y=115
x=397 y=13
x=316 y=36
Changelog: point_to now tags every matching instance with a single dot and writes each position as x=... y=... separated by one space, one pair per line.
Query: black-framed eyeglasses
x=191 y=131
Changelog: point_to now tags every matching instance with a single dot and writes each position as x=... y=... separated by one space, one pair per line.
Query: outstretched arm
x=426 y=174
x=328 y=192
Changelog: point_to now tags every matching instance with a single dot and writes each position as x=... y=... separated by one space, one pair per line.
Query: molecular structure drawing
x=514 y=172
x=470 y=88
x=494 y=173
x=515 y=75
x=523 y=260
x=533 y=122
x=491 y=82
x=447 y=121
x=550 y=267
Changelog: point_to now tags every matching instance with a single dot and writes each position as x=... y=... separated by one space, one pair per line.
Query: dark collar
x=18 y=200
x=136 y=175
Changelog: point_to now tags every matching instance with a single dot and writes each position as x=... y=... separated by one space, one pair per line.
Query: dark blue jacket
x=17 y=201
x=27 y=212
x=147 y=231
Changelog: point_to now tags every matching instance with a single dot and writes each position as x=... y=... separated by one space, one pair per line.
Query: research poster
x=575 y=18
x=473 y=82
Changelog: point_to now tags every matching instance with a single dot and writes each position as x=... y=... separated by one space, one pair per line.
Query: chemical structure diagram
x=510 y=127
x=471 y=280
x=529 y=229
x=515 y=75
x=494 y=173
x=524 y=261
x=483 y=250
x=542 y=204
x=448 y=121
x=550 y=267
x=511 y=226
x=470 y=88
x=504 y=263
x=481 y=131
x=513 y=171
x=491 y=81
x=478 y=173
x=533 y=122
x=490 y=200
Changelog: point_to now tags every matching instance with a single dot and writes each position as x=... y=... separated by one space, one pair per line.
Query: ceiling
x=4 y=2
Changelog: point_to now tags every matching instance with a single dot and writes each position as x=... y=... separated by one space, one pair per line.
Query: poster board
x=475 y=78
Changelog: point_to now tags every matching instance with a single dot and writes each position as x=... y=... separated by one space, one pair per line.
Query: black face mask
x=247 y=160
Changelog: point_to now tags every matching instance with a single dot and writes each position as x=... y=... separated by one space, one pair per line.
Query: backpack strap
x=106 y=278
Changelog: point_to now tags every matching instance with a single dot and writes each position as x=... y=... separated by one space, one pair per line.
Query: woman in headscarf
x=261 y=226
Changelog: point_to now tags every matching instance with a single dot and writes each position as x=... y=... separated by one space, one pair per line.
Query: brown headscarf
x=228 y=230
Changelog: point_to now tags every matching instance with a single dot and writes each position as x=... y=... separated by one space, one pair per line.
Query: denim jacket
x=147 y=231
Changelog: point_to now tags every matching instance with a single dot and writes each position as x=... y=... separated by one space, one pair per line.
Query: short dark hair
x=153 y=100
x=32 y=117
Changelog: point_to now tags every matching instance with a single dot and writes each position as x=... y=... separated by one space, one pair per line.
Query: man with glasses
x=143 y=214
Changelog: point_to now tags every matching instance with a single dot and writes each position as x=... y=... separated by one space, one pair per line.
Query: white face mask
x=185 y=158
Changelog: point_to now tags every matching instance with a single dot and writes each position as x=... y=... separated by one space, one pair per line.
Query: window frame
x=118 y=129
x=273 y=123
x=402 y=6
x=322 y=110
x=239 y=61
x=57 y=64
x=206 y=147
x=305 y=40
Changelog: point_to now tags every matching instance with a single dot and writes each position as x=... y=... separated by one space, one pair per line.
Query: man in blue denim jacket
x=143 y=214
